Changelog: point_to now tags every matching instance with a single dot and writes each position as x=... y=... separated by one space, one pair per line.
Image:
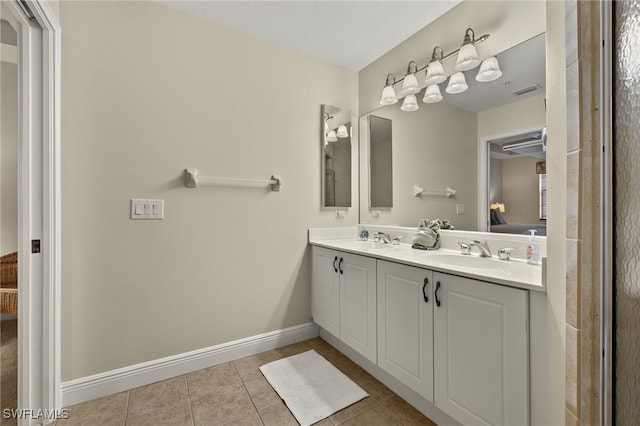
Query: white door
x=358 y=303
x=405 y=325
x=481 y=351
x=325 y=289
x=38 y=209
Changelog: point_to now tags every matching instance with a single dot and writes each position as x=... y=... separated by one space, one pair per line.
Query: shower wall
x=627 y=208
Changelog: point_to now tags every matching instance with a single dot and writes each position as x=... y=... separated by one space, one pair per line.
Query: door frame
x=39 y=365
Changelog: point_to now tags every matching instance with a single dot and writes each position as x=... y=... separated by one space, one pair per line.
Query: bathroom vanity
x=450 y=333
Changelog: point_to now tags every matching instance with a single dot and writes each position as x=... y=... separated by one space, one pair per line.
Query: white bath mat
x=312 y=388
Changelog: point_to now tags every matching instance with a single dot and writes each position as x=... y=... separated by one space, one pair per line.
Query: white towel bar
x=192 y=180
x=417 y=191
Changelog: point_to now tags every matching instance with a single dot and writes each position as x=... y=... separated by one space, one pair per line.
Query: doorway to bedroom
x=517 y=187
x=8 y=214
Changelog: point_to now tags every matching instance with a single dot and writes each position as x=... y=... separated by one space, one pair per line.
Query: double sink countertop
x=514 y=273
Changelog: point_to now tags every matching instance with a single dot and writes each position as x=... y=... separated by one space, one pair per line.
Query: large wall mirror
x=458 y=143
x=335 y=145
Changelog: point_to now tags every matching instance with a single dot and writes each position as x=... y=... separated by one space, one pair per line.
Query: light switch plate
x=459 y=209
x=145 y=209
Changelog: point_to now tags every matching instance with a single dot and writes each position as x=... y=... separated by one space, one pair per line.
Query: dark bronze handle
x=436 y=293
x=340 y=266
x=424 y=288
x=335 y=259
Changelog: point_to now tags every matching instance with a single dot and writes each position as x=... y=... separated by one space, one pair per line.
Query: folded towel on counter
x=427 y=236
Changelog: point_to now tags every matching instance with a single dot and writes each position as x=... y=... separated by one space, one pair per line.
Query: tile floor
x=236 y=393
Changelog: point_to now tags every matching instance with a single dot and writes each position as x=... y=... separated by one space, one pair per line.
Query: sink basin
x=476 y=262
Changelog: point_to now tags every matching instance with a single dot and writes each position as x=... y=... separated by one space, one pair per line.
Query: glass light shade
x=388 y=96
x=457 y=84
x=410 y=103
x=467 y=58
x=331 y=136
x=489 y=70
x=435 y=73
x=432 y=94
x=342 y=132
x=410 y=85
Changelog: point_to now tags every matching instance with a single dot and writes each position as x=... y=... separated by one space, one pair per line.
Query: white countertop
x=513 y=273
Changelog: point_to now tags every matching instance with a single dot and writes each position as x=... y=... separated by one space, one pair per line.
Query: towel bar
x=417 y=191
x=192 y=180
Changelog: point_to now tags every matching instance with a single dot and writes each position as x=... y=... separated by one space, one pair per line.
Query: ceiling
x=352 y=34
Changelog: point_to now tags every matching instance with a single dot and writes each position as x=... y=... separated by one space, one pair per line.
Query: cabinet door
x=481 y=351
x=325 y=289
x=405 y=325
x=358 y=303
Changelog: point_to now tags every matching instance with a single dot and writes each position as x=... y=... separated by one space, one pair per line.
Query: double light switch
x=147 y=209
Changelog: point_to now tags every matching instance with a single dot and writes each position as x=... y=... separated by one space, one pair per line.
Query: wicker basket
x=9 y=283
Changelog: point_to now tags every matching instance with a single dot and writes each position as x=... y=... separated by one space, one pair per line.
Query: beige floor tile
x=261 y=392
x=203 y=382
x=377 y=416
x=248 y=368
x=277 y=415
x=252 y=420
x=222 y=404
x=107 y=411
x=162 y=403
x=405 y=412
x=353 y=410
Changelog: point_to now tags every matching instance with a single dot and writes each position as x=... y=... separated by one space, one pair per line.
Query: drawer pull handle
x=424 y=290
x=436 y=293
x=335 y=259
x=340 y=266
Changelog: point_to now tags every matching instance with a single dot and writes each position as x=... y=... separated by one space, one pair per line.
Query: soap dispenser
x=533 y=254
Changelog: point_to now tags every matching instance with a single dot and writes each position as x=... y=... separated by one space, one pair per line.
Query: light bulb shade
x=388 y=96
x=489 y=70
x=331 y=136
x=410 y=85
x=432 y=94
x=342 y=132
x=467 y=58
x=435 y=73
x=457 y=84
x=410 y=103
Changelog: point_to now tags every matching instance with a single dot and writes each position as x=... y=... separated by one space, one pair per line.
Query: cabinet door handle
x=340 y=266
x=335 y=259
x=436 y=293
x=424 y=290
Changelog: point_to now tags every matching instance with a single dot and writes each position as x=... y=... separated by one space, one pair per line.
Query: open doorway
x=9 y=126
x=518 y=184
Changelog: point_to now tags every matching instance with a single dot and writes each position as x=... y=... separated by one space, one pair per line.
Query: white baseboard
x=114 y=381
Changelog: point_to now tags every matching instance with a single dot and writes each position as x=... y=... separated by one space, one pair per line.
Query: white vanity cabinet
x=344 y=298
x=405 y=325
x=481 y=364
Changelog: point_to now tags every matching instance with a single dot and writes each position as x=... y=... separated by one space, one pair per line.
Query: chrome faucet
x=483 y=246
x=382 y=237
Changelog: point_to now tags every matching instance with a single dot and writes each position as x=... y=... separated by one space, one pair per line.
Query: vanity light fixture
x=410 y=84
x=435 y=70
x=432 y=94
x=467 y=59
x=489 y=70
x=388 y=93
x=410 y=103
x=331 y=136
x=342 y=132
x=468 y=55
x=457 y=83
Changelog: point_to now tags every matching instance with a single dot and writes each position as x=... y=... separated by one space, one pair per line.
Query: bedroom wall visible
x=520 y=190
x=146 y=92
